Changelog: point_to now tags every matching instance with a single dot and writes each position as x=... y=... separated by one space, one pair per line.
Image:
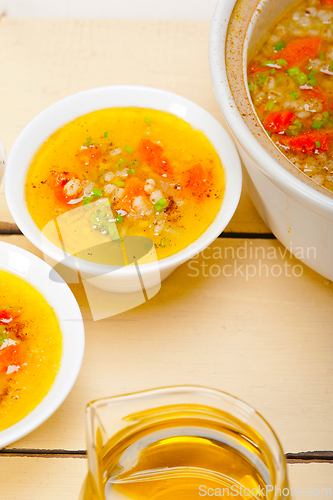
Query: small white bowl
x=57 y=115
x=58 y=295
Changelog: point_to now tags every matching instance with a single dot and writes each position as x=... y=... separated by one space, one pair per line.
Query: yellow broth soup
x=162 y=178
x=30 y=348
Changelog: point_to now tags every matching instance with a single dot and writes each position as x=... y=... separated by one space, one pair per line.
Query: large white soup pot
x=298 y=211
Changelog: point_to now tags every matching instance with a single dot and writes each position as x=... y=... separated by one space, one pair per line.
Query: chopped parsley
x=120 y=219
x=318 y=146
x=149 y=121
x=294 y=95
x=119 y=184
x=282 y=62
x=293 y=71
x=251 y=86
x=160 y=204
x=128 y=149
x=119 y=164
x=270 y=106
x=279 y=46
x=105 y=134
x=267 y=63
x=261 y=79
x=97 y=192
x=88 y=141
x=317 y=125
x=164 y=242
x=301 y=78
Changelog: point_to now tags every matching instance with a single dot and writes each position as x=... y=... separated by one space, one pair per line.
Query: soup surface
x=290 y=80
x=30 y=348
x=163 y=179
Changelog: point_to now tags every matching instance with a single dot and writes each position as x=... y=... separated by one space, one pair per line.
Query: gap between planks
x=7 y=228
x=291 y=458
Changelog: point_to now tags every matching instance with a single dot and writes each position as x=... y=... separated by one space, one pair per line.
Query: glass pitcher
x=181 y=443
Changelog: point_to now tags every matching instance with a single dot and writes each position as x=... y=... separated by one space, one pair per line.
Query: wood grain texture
x=54 y=478
x=267 y=340
x=47 y=60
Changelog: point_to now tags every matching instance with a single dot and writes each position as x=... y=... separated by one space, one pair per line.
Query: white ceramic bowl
x=47 y=122
x=58 y=295
x=297 y=211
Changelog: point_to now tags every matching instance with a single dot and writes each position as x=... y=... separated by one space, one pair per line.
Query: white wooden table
x=267 y=340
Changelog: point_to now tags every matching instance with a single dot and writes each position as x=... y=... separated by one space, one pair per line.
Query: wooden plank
x=267 y=340
x=56 y=58
x=54 y=478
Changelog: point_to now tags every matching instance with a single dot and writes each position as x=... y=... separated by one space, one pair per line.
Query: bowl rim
x=138 y=94
x=283 y=179
x=71 y=326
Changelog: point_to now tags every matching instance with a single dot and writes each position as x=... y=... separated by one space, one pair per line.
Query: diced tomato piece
x=198 y=179
x=88 y=155
x=306 y=143
x=328 y=2
x=315 y=93
x=299 y=51
x=254 y=68
x=278 y=121
x=67 y=186
x=134 y=187
x=153 y=154
x=10 y=356
x=7 y=316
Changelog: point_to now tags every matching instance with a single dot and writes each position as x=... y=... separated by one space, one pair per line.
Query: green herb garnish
x=102 y=171
x=321 y=56
x=251 y=86
x=131 y=171
x=149 y=121
x=85 y=201
x=160 y=205
x=317 y=125
x=301 y=78
x=261 y=79
x=120 y=219
x=269 y=105
x=97 y=192
x=267 y=63
x=294 y=95
x=164 y=242
x=293 y=71
x=272 y=71
x=312 y=74
x=88 y=141
x=282 y=62
x=279 y=46
x=318 y=146
x=269 y=132
x=119 y=164
x=312 y=82
x=119 y=184
x=295 y=129
x=105 y=134
x=128 y=149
